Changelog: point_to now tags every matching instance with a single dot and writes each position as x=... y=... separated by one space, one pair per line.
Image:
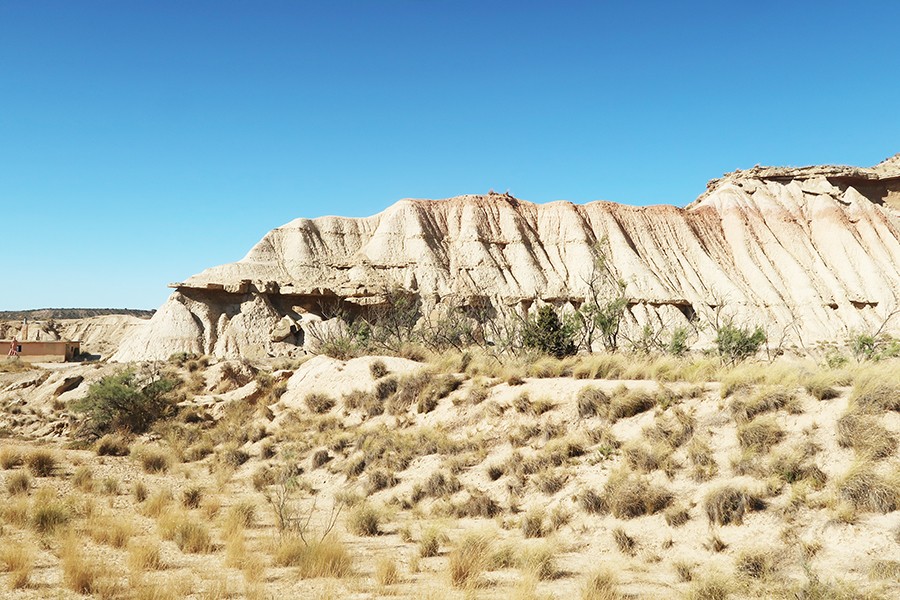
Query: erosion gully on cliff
x=811 y=254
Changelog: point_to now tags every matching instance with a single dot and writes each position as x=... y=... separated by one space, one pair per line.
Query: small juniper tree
x=547 y=332
x=735 y=344
x=119 y=402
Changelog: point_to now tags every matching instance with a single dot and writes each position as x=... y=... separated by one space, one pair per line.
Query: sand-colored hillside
x=463 y=477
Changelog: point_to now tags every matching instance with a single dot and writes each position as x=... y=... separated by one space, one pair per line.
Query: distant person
x=13 y=351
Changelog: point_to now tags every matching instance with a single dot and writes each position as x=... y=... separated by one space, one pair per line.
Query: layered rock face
x=811 y=254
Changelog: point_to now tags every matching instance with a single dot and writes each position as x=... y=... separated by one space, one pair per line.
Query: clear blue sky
x=141 y=142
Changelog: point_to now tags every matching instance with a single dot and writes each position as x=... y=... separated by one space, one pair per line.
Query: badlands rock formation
x=811 y=254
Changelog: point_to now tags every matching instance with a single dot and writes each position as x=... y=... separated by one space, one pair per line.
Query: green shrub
x=548 y=334
x=735 y=344
x=120 y=403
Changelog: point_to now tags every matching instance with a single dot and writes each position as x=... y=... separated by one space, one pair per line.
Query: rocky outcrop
x=809 y=253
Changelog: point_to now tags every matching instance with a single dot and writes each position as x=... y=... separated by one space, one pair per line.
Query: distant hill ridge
x=73 y=313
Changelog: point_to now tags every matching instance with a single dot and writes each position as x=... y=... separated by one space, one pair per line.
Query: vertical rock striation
x=809 y=253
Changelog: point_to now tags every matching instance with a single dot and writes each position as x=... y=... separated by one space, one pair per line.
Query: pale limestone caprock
x=811 y=254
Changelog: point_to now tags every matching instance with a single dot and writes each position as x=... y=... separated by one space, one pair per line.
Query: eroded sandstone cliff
x=810 y=253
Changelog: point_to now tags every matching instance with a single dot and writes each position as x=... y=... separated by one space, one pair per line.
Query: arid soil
x=459 y=476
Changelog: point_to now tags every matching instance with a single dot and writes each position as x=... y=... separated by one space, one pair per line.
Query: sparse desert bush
x=120 y=402
x=386 y=571
x=380 y=479
x=319 y=403
x=821 y=385
x=539 y=561
x=701 y=456
x=326 y=558
x=18 y=483
x=191 y=496
x=10 y=457
x=144 y=555
x=18 y=560
x=677 y=516
x=735 y=343
x=114 y=531
x=865 y=489
x=601 y=585
x=469 y=559
x=629 y=403
x=711 y=587
x=760 y=434
x=592 y=402
x=876 y=392
x=112 y=444
x=628 y=495
x=532 y=523
x=153 y=459
x=47 y=512
x=83 y=478
x=866 y=435
x=378 y=369
x=364 y=520
x=430 y=542
x=240 y=516
x=477 y=504
x=765 y=400
x=191 y=536
x=624 y=542
x=41 y=462
x=755 y=563
x=728 y=505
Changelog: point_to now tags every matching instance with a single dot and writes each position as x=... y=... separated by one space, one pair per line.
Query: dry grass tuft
x=532 y=523
x=47 y=512
x=624 y=542
x=10 y=457
x=364 y=520
x=628 y=495
x=728 y=505
x=821 y=385
x=386 y=571
x=711 y=587
x=114 y=531
x=601 y=586
x=325 y=558
x=153 y=459
x=319 y=403
x=877 y=392
x=41 y=463
x=765 y=400
x=430 y=542
x=18 y=483
x=112 y=444
x=760 y=434
x=79 y=575
x=144 y=555
x=755 y=563
x=628 y=403
x=18 y=560
x=469 y=559
x=866 y=435
x=865 y=489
